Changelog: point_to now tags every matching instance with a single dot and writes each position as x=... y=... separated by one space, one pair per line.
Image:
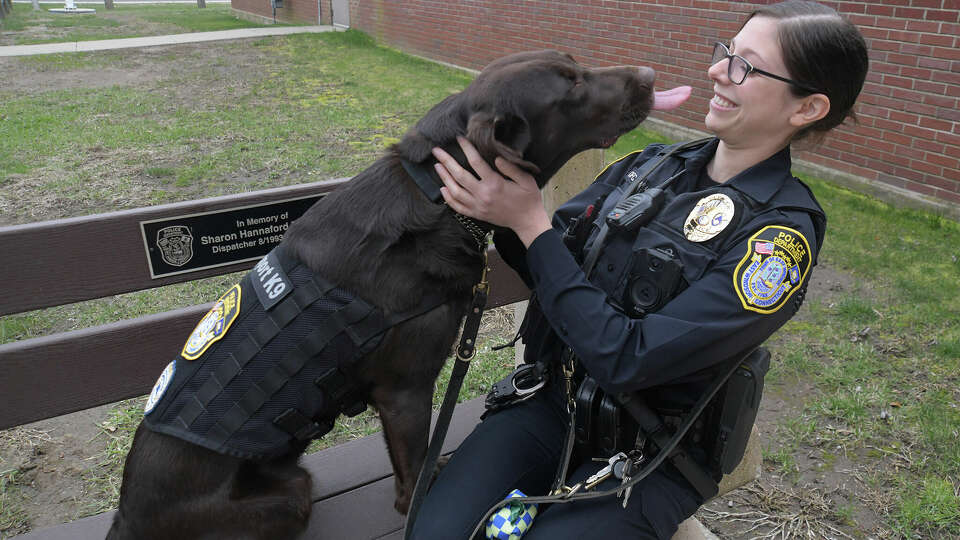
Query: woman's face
x=756 y=112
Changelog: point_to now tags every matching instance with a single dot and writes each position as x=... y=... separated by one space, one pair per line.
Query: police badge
x=774 y=267
x=709 y=217
x=176 y=245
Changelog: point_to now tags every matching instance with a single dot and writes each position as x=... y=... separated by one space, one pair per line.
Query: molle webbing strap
x=301 y=426
x=291 y=363
x=276 y=319
x=341 y=390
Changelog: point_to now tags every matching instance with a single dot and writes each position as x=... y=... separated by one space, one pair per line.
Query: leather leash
x=567 y=495
x=465 y=353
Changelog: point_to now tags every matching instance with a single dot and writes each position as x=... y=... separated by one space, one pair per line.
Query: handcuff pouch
x=616 y=431
x=588 y=399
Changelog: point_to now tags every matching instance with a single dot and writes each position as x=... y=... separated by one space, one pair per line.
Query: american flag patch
x=763 y=248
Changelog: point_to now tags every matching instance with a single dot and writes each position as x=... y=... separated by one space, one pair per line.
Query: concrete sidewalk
x=150 y=41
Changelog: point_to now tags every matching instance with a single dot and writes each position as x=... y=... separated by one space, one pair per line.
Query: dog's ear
x=506 y=135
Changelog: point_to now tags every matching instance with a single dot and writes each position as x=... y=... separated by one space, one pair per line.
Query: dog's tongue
x=670 y=99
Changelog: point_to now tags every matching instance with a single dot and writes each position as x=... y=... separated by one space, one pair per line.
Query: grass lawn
x=27 y=27
x=865 y=377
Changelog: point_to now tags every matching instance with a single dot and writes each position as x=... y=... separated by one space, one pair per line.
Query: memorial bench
x=71 y=260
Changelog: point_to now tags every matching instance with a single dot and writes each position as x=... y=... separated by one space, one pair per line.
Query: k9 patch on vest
x=774 y=267
x=213 y=325
x=269 y=281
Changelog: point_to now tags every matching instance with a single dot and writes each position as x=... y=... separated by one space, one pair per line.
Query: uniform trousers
x=520 y=448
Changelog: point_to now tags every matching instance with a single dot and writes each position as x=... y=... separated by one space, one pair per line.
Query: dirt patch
x=59 y=80
x=53 y=461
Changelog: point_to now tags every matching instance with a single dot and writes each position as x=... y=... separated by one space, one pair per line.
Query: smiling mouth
x=722 y=102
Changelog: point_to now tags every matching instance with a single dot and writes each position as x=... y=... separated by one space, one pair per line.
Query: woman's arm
x=705 y=324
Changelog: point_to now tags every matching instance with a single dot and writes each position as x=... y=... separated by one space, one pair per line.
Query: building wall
x=292 y=10
x=908 y=135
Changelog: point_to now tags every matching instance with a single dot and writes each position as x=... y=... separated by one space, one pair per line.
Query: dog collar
x=429 y=183
x=426 y=178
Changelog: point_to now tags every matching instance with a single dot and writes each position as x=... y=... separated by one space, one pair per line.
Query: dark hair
x=823 y=50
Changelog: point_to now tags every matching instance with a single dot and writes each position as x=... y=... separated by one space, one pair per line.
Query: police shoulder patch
x=774 y=267
x=213 y=325
x=160 y=387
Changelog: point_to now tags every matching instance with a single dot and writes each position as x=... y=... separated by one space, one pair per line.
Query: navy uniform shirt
x=746 y=248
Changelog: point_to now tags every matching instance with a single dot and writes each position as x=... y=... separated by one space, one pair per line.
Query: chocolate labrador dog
x=207 y=461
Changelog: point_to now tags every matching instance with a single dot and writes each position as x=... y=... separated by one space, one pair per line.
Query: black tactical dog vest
x=263 y=372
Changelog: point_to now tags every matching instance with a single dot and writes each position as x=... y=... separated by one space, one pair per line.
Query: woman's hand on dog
x=508 y=198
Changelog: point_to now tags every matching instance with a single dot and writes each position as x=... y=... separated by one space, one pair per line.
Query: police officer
x=720 y=266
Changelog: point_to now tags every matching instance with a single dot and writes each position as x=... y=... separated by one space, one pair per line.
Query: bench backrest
x=71 y=260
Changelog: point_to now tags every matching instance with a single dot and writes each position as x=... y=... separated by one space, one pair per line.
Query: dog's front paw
x=402 y=504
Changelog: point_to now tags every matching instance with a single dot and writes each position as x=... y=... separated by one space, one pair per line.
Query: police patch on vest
x=160 y=387
x=269 y=281
x=709 y=217
x=776 y=263
x=213 y=325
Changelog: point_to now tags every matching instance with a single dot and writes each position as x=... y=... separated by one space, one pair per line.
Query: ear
x=506 y=135
x=812 y=108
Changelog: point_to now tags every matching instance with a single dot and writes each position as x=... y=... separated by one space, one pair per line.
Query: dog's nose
x=646 y=74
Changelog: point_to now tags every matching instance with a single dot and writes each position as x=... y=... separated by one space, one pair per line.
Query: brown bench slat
x=103 y=254
x=348 y=478
x=59 y=374
x=53 y=375
x=360 y=514
x=340 y=468
x=90 y=528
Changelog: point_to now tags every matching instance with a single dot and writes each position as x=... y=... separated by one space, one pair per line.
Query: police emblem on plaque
x=176 y=245
x=213 y=325
x=774 y=267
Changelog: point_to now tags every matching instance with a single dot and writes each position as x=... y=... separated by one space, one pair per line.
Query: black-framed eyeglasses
x=739 y=68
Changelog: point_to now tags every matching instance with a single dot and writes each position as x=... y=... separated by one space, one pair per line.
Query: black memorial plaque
x=196 y=242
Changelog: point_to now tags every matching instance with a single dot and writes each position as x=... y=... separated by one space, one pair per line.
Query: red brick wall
x=292 y=10
x=909 y=130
